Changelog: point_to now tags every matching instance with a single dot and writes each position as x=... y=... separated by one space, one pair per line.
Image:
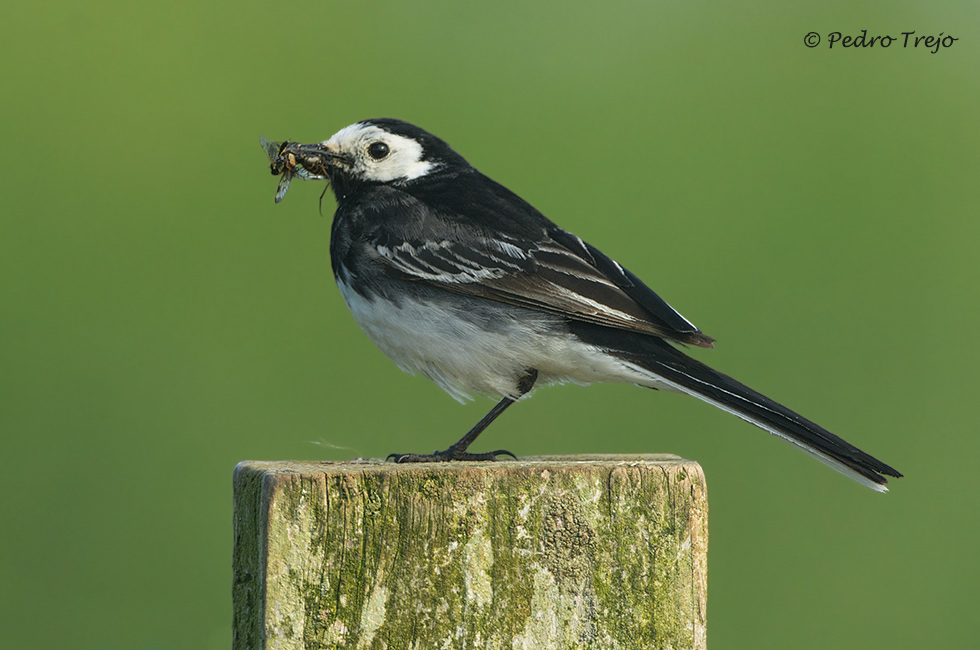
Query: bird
x=459 y=279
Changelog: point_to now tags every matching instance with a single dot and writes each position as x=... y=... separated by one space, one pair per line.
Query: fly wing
x=284 y=181
x=271 y=148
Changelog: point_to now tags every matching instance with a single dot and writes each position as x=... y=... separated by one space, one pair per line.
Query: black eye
x=378 y=150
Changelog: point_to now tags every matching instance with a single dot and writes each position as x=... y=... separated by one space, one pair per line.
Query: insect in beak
x=292 y=159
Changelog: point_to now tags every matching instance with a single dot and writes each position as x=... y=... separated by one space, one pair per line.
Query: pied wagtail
x=456 y=277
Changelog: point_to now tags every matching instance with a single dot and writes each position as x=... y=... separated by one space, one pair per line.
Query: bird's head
x=372 y=152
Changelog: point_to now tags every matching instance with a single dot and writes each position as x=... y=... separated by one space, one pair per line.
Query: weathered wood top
x=547 y=552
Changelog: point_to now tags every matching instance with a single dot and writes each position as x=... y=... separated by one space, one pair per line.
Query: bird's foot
x=448 y=455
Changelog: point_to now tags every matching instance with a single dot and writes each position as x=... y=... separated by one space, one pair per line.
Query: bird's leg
x=458 y=450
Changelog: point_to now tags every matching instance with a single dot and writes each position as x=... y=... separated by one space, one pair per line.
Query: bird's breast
x=471 y=345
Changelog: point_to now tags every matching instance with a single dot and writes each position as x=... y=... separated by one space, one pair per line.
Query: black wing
x=559 y=273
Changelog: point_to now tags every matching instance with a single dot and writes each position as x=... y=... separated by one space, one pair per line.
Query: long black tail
x=665 y=364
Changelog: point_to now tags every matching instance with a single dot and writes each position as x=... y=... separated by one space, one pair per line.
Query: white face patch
x=402 y=162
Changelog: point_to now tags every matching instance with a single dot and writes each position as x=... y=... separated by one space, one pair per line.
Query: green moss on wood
x=550 y=553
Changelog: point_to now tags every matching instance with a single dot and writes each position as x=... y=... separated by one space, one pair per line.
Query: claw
x=434 y=457
x=447 y=456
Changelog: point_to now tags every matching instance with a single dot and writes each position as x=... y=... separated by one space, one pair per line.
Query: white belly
x=464 y=355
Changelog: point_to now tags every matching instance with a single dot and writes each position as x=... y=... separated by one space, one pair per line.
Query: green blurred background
x=814 y=210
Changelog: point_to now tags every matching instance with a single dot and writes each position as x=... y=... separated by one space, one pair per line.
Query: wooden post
x=554 y=552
